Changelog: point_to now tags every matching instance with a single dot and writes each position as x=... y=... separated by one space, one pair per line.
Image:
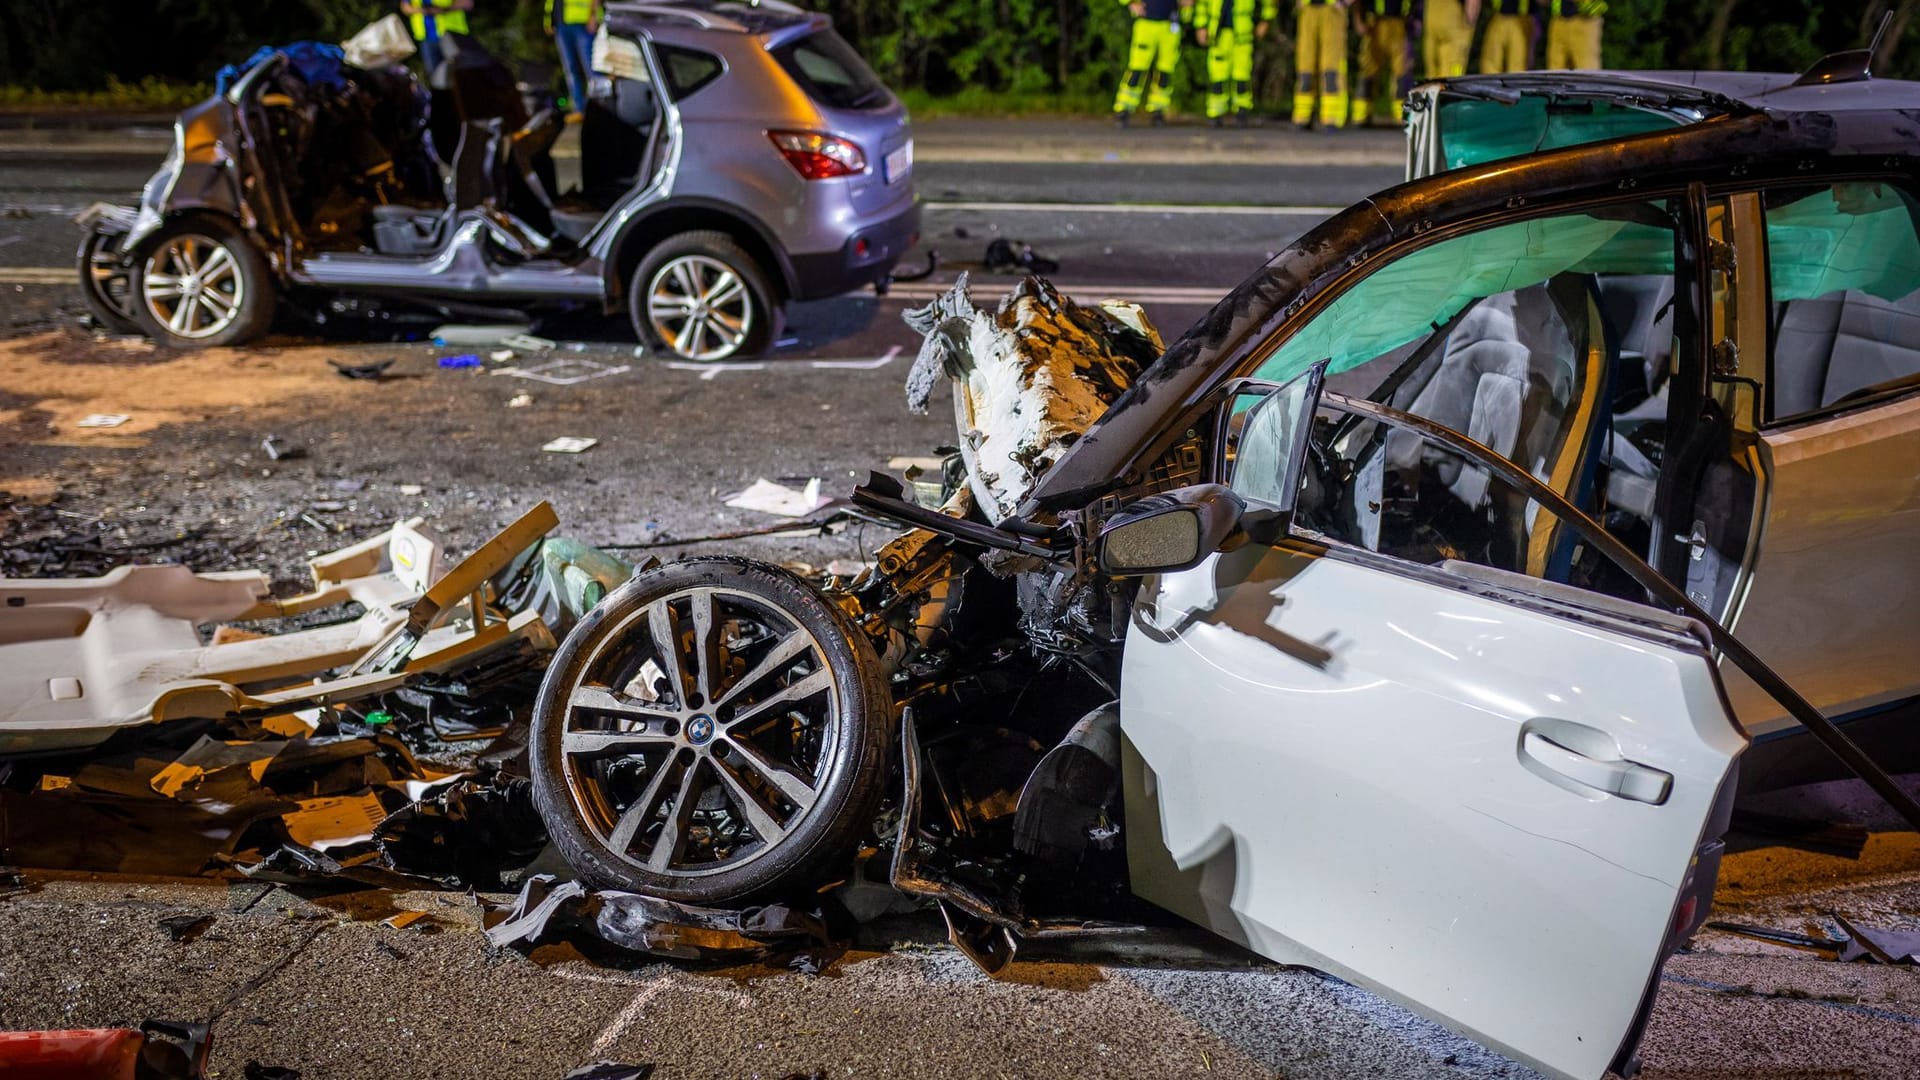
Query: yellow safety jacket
x=446 y=20
x=1207 y=14
x=572 y=12
x=1392 y=9
x=1585 y=9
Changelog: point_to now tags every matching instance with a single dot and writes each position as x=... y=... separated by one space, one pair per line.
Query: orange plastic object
x=96 y=1054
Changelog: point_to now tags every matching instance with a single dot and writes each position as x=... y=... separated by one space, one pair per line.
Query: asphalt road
x=364 y=1000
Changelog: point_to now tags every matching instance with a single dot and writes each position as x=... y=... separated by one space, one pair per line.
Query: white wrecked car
x=1380 y=624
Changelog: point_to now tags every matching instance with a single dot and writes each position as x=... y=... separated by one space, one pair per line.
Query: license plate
x=900 y=162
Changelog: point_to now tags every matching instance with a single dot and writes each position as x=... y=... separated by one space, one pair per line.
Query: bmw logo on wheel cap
x=700 y=729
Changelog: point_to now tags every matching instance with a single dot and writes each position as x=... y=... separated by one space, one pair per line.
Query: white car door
x=1475 y=793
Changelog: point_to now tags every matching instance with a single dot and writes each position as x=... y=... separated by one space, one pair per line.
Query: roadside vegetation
x=973 y=57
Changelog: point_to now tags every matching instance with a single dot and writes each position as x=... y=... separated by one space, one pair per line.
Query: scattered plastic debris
x=501 y=356
x=570 y=444
x=464 y=360
x=362 y=371
x=528 y=343
x=771 y=498
x=185 y=928
x=411 y=489
x=279 y=449
x=519 y=401
x=1017 y=257
x=478 y=334
x=547 y=911
x=103 y=420
x=610 y=1070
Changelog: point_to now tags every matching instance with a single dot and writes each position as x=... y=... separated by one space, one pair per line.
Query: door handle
x=1618 y=776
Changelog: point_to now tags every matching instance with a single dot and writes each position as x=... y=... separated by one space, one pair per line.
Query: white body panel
x=1325 y=763
x=1834 y=604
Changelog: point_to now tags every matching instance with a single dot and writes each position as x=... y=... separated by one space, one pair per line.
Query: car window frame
x=1692 y=295
x=664 y=63
x=1907 y=388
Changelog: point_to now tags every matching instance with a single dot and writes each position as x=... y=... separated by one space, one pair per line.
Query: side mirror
x=1173 y=531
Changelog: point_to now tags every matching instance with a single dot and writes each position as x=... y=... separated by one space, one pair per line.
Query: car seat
x=1524 y=374
x=1831 y=346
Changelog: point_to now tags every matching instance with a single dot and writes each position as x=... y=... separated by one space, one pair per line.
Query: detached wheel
x=200 y=282
x=715 y=732
x=106 y=283
x=700 y=296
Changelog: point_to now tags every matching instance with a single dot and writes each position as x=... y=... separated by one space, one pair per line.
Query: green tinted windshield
x=1409 y=297
x=1475 y=131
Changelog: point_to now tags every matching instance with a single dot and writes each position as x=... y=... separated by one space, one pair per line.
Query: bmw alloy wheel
x=700 y=307
x=193 y=286
x=697 y=737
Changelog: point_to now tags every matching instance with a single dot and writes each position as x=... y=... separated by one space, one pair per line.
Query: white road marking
x=710 y=372
x=874 y=364
x=1138 y=208
x=627 y=1018
x=62 y=209
x=39 y=275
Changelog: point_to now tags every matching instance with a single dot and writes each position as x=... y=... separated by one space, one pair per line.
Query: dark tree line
x=978 y=47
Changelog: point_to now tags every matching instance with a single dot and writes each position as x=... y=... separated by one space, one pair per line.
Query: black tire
x=245 y=292
x=641 y=774
x=702 y=252
x=105 y=282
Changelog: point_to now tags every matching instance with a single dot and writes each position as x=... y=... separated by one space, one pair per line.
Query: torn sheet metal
x=548 y=911
x=1029 y=379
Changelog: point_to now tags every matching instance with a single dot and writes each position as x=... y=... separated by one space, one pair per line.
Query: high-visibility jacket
x=1391 y=9
x=1588 y=9
x=445 y=19
x=572 y=12
x=1158 y=10
x=1238 y=15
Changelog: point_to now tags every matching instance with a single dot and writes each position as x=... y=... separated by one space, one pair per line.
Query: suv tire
x=640 y=767
x=701 y=297
x=105 y=283
x=233 y=300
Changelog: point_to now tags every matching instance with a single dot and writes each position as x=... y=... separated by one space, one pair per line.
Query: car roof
x=1766 y=90
x=755 y=17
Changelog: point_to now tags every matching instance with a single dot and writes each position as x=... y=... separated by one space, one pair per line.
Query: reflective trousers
x=1383 y=61
x=1505 y=46
x=1573 y=41
x=1444 y=40
x=575 y=43
x=1229 y=71
x=1151 y=61
x=1320 y=60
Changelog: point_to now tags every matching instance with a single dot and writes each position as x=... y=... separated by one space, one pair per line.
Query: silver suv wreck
x=732 y=158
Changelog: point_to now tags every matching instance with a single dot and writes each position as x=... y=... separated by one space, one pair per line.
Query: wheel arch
x=644 y=233
x=218 y=215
